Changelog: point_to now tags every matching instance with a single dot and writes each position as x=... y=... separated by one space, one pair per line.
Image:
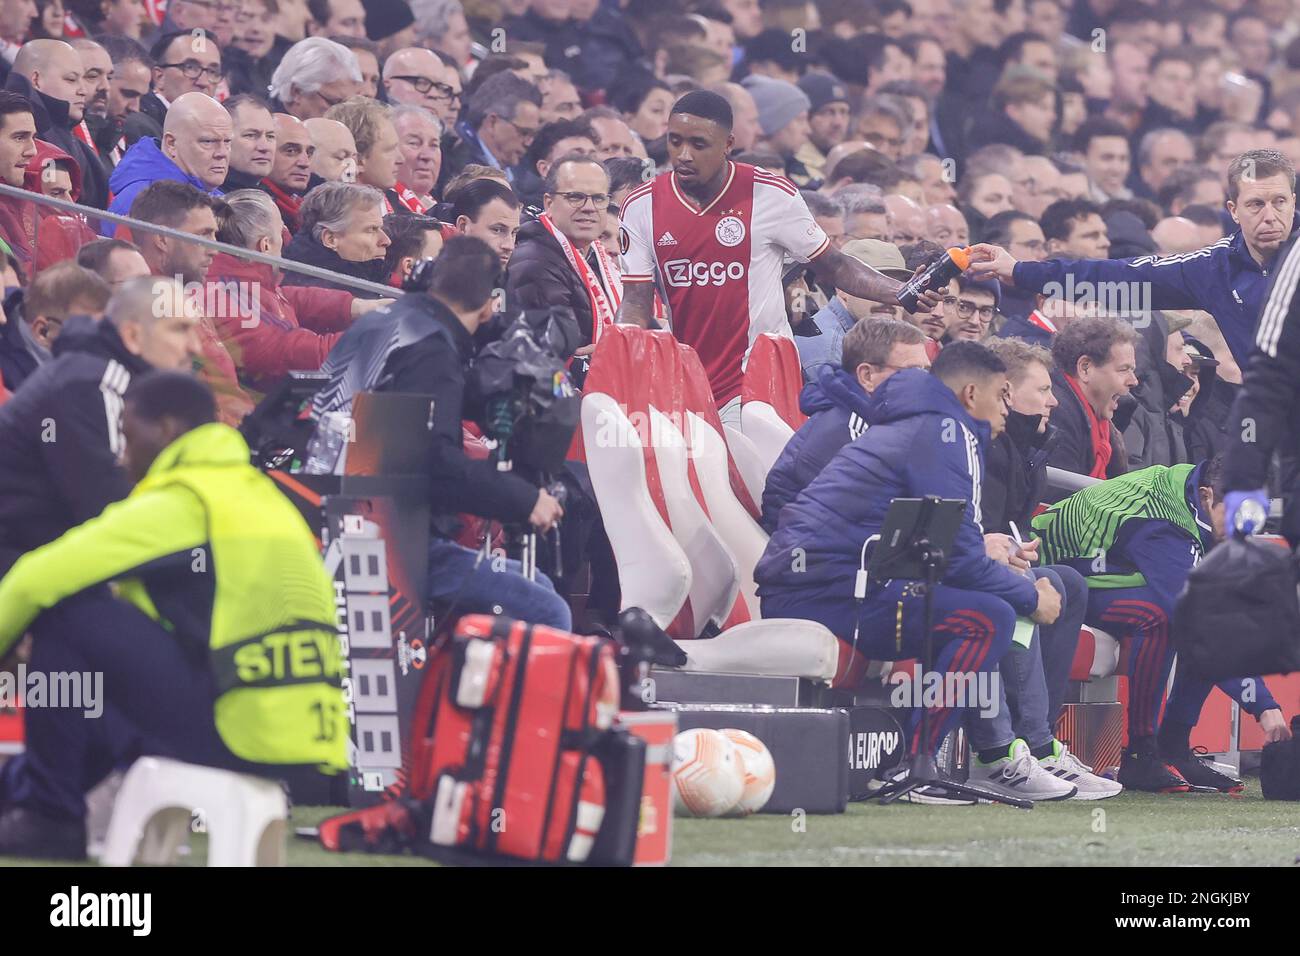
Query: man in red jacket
x=60 y=234
x=260 y=324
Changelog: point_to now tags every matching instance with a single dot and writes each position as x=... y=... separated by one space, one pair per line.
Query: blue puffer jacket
x=142 y=164
x=1221 y=279
x=837 y=407
x=921 y=442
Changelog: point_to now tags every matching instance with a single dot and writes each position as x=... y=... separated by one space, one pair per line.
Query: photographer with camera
x=424 y=344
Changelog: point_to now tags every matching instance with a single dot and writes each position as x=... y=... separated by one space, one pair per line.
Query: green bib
x=1085 y=525
x=274 y=648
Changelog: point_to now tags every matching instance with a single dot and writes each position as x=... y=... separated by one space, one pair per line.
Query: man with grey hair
x=271 y=329
x=1161 y=153
x=341 y=228
x=442 y=27
x=829 y=213
x=885 y=123
x=419 y=139
x=314 y=75
x=500 y=122
x=865 y=215
x=48 y=486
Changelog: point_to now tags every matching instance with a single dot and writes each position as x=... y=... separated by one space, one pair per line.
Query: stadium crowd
x=1125 y=174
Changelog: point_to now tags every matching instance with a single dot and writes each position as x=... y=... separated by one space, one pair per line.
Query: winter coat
x=268 y=343
x=143 y=164
x=921 y=442
x=837 y=408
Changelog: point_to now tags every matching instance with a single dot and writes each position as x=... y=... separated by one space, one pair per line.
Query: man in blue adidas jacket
x=837 y=401
x=1229 y=278
x=926 y=438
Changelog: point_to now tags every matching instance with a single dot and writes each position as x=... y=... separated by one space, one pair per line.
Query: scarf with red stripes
x=288 y=203
x=82 y=132
x=406 y=198
x=1100 y=432
x=604 y=293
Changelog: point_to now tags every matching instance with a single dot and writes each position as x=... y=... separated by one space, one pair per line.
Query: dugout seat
x=680 y=517
x=1096 y=656
x=769 y=409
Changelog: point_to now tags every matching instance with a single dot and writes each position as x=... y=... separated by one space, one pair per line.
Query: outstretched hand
x=990 y=261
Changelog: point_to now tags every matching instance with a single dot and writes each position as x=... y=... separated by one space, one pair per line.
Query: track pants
x=972 y=633
x=155 y=697
x=1139 y=620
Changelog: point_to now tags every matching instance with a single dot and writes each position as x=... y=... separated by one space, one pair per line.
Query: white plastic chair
x=246 y=817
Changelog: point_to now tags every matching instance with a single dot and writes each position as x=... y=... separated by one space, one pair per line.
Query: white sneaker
x=1018 y=774
x=1071 y=769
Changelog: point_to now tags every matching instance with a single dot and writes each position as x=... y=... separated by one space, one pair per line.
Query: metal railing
x=284 y=265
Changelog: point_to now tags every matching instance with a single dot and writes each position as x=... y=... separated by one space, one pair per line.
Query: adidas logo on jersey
x=666 y=240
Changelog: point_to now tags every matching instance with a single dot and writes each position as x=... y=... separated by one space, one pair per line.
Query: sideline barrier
x=284 y=265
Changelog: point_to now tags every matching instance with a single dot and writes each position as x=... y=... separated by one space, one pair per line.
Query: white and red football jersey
x=720 y=266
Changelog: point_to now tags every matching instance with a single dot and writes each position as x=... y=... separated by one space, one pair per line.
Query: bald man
x=50 y=73
x=195 y=149
x=947 y=226
x=907 y=223
x=744 y=114
x=335 y=160
x=416 y=77
x=291 y=174
x=1175 y=235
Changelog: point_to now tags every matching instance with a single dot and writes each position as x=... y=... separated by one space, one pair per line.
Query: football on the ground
x=708 y=778
x=759 y=768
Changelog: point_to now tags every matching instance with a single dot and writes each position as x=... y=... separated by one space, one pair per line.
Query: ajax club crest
x=730 y=231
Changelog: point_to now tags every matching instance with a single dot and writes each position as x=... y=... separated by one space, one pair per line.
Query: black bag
x=1279 y=770
x=1238 y=615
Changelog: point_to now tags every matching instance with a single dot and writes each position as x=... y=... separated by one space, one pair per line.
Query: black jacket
x=53 y=126
x=303 y=248
x=1155 y=116
x=17 y=362
x=438 y=365
x=141 y=125
x=539 y=277
x=1015 y=473
x=60 y=437
x=237 y=180
x=1073 y=448
x=152 y=107
x=1263 y=418
x=106 y=135
x=247 y=75
x=1206 y=428
x=1152 y=437
x=995 y=127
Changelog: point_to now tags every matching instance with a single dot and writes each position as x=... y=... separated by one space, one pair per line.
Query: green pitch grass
x=1128 y=830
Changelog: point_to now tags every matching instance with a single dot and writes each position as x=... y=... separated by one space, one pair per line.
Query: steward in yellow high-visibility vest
x=217 y=644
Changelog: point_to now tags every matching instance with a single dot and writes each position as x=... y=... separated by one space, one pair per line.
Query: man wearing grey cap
x=783 y=118
x=828 y=120
x=843 y=311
